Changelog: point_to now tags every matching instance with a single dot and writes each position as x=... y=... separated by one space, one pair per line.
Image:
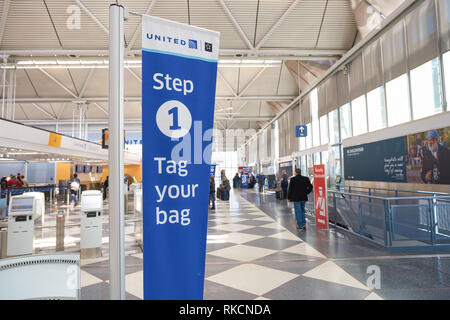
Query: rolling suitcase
x=225 y=195
x=279 y=194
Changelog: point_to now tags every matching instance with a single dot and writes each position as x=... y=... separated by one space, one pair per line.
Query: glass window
x=333 y=120
x=303 y=166
x=345 y=119
x=324 y=129
x=359 y=116
x=425 y=90
x=314 y=102
x=447 y=75
x=315 y=133
x=302 y=143
x=308 y=136
x=324 y=155
x=310 y=165
x=376 y=109
x=398 y=101
x=335 y=164
x=316 y=157
x=276 y=140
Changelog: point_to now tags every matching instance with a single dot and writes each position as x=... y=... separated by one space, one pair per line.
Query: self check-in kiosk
x=39 y=198
x=91 y=224
x=21 y=216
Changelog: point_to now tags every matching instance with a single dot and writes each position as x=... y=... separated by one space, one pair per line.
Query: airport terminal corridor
x=236 y=150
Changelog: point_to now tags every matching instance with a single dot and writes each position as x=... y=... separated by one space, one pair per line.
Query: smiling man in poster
x=435 y=161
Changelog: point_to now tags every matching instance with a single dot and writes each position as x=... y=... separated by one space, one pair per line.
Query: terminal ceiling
x=271 y=50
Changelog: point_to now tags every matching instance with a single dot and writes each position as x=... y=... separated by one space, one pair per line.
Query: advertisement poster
x=377 y=161
x=320 y=196
x=417 y=158
x=179 y=71
x=428 y=159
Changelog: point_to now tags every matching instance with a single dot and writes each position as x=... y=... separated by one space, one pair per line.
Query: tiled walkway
x=254 y=251
x=251 y=256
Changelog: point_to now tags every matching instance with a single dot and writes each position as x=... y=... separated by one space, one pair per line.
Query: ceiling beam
x=126 y=121
x=306 y=52
x=138 y=99
x=44 y=111
x=236 y=24
x=252 y=81
x=86 y=82
x=3 y=18
x=92 y=16
x=101 y=108
x=227 y=84
x=58 y=83
x=277 y=24
x=61 y=111
x=136 y=31
x=134 y=74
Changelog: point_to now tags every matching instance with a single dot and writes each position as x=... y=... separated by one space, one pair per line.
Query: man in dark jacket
x=299 y=188
x=261 y=180
x=212 y=192
x=236 y=181
x=284 y=183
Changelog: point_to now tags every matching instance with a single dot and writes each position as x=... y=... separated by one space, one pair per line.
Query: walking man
x=284 y=183
x=299 y=188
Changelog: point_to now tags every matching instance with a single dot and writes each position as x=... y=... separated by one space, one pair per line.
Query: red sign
x=320 y=196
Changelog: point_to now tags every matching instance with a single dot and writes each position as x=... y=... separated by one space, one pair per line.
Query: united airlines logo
x=190 y=43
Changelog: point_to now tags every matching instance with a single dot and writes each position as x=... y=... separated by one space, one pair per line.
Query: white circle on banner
x=174 y=119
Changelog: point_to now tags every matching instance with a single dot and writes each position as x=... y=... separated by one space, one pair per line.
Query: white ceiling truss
x=308 y=33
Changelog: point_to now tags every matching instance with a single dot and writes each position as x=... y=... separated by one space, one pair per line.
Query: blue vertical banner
x=179 y=70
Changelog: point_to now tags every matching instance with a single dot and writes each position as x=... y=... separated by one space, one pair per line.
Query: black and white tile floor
x=251 y=256
x=255 y=253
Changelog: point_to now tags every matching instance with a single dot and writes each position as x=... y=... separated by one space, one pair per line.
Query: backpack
x=74 y=186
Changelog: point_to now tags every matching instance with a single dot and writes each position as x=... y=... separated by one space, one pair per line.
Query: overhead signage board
x=179 y=71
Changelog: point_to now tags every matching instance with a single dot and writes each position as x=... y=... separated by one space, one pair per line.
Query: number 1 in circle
x=174 y=113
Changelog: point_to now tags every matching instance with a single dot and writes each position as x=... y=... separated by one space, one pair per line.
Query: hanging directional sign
x=301 y=131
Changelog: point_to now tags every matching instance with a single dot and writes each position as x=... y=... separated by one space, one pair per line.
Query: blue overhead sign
x=301 y=131
x=179 y=68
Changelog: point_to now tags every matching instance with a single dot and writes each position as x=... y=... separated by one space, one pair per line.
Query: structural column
x=116 y=139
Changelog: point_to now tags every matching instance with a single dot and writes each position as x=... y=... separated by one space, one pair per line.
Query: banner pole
x=115 y=161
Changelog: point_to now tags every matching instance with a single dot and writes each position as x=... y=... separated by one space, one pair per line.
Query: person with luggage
x=261 y=181
x=236 y=181
x=284 y=183
x=225 y=189
x=74 y=189
x=299 y=188
x=212 y=192
x=251 y=181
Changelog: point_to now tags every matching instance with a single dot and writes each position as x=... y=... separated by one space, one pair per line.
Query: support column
x=5 y=61
x=116 y=171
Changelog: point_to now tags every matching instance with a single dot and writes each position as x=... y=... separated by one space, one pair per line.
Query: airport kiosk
x=91 y=224
x=22 y=212
x=39 y=198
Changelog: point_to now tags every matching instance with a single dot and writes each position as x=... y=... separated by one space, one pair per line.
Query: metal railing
x=394 y=219
x=395 y=222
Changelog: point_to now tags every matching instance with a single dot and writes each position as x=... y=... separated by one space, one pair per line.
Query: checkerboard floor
x=255 y=252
